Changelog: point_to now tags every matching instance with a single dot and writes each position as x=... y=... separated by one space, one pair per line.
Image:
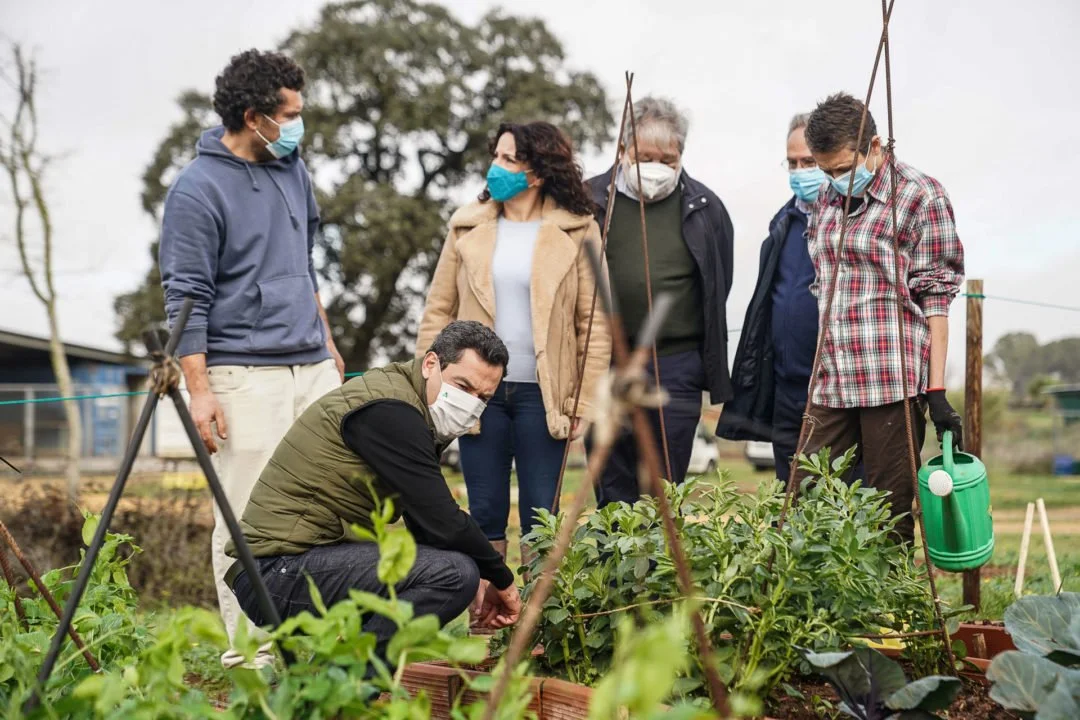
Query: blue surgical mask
x=289 y=137
x=503 y=184
x=806 y=183
x=862 y=180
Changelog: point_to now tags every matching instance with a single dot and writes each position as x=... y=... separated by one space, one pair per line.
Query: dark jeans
x=514 y=426
x=683 y=377
x=881 y=434
x=789 y=404
x=441 y=582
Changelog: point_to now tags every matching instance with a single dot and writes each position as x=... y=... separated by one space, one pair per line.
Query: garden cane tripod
x=164 y=380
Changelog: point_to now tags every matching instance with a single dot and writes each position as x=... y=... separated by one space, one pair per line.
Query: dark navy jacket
x=749 y=415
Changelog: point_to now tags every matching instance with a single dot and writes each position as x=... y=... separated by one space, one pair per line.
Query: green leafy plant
x=873 y=687
x=648 y=664
x=106 y=622
x=1041 y=678
x=155 y=667
x=833 y=571
x=338 y=671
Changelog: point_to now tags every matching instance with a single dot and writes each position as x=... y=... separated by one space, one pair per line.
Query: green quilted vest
x=314 y=486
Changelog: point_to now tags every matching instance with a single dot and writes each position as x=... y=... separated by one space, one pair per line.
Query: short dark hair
x=254 y=79
x=834 y=125
x=462 y=335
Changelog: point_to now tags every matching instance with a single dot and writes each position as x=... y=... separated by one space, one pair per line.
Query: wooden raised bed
x=552 y=699
x=994 y=640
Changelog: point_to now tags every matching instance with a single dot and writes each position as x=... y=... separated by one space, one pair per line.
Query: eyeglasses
x=800 y=164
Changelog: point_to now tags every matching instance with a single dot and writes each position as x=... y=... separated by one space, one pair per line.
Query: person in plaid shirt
x=858 y=399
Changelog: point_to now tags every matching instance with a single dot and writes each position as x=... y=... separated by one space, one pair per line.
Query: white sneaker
x=264 y=658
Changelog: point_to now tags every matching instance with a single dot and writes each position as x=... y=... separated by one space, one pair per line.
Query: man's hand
x=477 y=609
x=945 y=417
x=578 y=428
x=338 y=360
x=205 y=409
x=496 y=608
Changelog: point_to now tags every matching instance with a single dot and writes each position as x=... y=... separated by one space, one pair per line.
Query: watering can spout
x=952 y=510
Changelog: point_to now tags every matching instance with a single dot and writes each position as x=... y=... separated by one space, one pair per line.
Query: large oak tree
x=401 y=100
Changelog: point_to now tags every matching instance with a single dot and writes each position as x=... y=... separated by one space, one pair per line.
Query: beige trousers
x=260 y=405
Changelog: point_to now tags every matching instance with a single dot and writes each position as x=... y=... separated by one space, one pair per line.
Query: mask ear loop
x=261 y=137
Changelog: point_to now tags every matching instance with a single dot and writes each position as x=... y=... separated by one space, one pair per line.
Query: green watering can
x=955 y=498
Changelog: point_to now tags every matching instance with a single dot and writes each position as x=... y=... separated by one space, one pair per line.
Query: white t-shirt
x=511 y=270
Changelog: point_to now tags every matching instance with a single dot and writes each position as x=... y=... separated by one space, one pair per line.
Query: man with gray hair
x=690 y=241
x=775 y=356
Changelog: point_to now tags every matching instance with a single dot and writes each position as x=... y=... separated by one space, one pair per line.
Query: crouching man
x=387 y=428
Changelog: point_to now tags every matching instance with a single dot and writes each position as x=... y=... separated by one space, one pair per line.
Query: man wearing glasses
x=775 y=355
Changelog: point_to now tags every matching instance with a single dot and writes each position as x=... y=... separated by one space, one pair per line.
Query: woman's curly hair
x=254 y=80
x=548 y=151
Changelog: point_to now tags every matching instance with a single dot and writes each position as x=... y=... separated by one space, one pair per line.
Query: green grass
x=1012 y=491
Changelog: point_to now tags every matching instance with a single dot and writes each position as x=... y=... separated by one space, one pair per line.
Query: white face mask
x=455 y=412
x=657 y=180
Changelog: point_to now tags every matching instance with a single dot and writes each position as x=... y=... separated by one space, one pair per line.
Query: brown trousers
x=881 y=437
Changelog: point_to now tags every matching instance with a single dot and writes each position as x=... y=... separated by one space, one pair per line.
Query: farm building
x=1067 y=410
x=35 y=433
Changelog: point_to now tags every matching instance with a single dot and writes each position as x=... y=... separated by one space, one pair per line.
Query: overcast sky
x=984 y=92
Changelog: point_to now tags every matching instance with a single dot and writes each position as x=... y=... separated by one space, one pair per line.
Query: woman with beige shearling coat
x=515 y=261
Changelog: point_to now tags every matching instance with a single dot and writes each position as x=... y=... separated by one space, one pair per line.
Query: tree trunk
x=71 y=407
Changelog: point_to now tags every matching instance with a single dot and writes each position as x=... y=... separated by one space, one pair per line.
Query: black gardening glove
x=945 y=417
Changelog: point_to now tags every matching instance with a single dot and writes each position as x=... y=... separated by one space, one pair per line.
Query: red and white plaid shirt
x=860 y=363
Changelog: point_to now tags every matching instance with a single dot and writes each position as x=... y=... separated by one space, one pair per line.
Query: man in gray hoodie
x=237 y=235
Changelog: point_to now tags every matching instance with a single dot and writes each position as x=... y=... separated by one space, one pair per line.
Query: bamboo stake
x=1025 y=543
x=1051 y=556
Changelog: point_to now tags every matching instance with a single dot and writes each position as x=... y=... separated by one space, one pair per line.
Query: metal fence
x=39 y=430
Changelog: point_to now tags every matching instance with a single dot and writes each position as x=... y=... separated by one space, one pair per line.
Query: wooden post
x=973 y=407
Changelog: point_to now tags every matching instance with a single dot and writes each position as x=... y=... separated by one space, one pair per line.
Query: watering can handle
x=947 y=450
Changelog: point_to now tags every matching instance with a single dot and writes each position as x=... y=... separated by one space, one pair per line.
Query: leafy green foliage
x=835 y=572
x=639 y=682
x=401 y=100
x=1043 y=675
x=106 y=622
x=1047 y=626
x=873 y=687
x=149 y=673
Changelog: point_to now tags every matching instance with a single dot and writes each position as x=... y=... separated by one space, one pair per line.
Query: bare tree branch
x=23 y=162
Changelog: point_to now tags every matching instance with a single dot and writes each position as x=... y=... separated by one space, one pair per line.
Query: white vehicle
x=705 y=454
x=760 y=455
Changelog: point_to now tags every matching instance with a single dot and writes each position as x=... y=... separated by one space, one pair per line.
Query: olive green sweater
x=672 y=269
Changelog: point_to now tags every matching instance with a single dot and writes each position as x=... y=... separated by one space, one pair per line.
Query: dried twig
x=9 y=576
x=668 y=601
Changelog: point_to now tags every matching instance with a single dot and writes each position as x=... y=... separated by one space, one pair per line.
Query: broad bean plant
x=832 y=572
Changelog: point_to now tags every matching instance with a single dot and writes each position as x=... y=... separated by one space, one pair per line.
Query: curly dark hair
x=550 y=153
x=254 y=79
x=834 y=125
